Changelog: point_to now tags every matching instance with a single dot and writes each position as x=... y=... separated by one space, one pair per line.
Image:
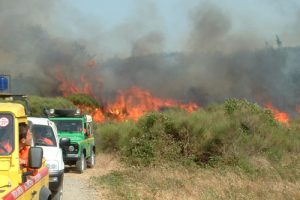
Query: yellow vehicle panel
x=31 y=188
x=11 y=185
x=15 y=108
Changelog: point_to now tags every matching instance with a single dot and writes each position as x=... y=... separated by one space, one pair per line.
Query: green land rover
x=78 y=127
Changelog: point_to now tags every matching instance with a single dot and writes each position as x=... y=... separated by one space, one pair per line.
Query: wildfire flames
x=132 y=103
x=69 y=86
x=129 y=104
x=278 y=115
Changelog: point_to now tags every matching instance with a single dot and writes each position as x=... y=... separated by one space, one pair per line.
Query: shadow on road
x=71 y=169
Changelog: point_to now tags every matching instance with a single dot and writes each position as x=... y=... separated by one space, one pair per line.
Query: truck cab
x=15 y=182
x=77 y=127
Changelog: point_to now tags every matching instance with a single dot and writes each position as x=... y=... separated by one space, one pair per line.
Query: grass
x=166 y=182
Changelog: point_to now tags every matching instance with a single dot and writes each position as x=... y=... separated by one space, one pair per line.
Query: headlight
x=71 y=148
x=52 y=165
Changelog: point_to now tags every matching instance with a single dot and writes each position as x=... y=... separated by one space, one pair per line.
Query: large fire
x=135 y=102
x=278 y=115
x=129 y=104
x=70 y=86
x=132 y=103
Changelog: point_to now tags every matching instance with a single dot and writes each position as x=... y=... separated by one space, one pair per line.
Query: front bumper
x=70 y=158
x=56 y=180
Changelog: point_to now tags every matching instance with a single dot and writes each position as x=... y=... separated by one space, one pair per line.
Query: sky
x=113 y=28
x=173 y=19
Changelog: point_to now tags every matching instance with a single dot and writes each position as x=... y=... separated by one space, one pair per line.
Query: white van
x=44 y=134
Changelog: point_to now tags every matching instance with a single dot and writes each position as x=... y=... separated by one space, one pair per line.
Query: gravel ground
x=78 y=186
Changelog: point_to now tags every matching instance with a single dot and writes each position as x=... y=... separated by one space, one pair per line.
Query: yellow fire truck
x=16 y=183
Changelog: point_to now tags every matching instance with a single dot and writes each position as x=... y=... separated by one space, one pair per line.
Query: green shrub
x=38 y=104
x=112 y=136
x=83 y=99
x=221 y=134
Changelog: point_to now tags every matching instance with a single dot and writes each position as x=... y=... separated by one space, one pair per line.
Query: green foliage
x=37 y=104
x=227 y=134
x=231 y=105
x=112 y=136
x=83 y=99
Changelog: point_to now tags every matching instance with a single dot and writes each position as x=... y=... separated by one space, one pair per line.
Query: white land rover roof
x=43 y=121
x=39 y=120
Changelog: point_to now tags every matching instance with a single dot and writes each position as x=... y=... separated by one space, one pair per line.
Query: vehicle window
x=73 y=126
x=6 y=134
x=42 y=135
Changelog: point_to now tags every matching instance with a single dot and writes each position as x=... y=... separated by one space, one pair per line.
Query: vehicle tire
x=58 y=195
x=81 y=164
x=91 y=161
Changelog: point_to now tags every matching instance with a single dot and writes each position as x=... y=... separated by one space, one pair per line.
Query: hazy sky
x=117 y=27
x=120 y=22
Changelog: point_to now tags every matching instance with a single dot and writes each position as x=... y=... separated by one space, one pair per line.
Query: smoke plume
x=217 y=60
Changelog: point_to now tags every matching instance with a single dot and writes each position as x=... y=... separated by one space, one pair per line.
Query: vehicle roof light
x=51 y=111
x=78 y=111
x=4 y=83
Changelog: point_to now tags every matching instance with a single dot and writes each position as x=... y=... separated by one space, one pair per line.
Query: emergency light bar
x=4 y=83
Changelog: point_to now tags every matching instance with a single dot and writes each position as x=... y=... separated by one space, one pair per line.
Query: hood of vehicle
x=74 y=137
x=51 y=153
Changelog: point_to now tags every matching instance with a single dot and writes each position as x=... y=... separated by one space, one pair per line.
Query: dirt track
x=78 y=186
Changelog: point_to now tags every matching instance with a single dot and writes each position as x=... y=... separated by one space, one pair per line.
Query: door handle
x=33 y=193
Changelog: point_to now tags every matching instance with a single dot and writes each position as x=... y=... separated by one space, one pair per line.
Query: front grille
x=71 y=149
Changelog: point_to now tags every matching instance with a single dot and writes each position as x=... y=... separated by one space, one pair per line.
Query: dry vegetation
x=231 y=151
x=116 y=181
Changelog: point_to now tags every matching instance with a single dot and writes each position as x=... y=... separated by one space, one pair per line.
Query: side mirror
x=64 y=142
x=35 y=157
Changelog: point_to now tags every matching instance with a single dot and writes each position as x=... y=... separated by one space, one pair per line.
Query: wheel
x=81 y=164
x=58 y=195
x=91 y=161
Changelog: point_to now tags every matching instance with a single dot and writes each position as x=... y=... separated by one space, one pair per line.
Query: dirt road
x=79 y=186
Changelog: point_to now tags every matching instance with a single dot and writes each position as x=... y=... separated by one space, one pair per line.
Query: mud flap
x=45 y=193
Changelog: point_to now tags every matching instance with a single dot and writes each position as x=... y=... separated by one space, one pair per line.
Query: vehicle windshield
x=42 y=135
x=72 y=126
x=6 y=134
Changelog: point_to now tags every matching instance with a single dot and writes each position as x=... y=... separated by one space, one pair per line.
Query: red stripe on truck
x=22 y=188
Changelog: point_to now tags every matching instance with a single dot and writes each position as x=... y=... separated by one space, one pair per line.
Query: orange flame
x=278 y=115
x=130 y=104
x=135 y=102
x=70 y=86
